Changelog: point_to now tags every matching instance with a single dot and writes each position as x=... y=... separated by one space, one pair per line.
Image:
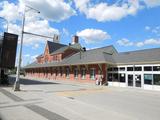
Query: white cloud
x=35 y=46
x=82 y=5
x=65 y=32
x=126 y=42
x=139 y=44
x=147 y=28
x=14 y=28
x=152 y=41
x=27 y=55
x=33 y=23
x=39 y=27
x=152 y=3
x=28 y=58
x=155 y=30
x=55 y=10
x=9 y=11
x=104 y=12
x=158 y=27
x=93 y=35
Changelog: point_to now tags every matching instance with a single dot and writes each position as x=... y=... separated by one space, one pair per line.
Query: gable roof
x=99 y=55
x=53 y=46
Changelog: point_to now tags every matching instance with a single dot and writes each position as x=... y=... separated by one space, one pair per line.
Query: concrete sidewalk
x=49 y=107
x=37 y=101
x=64 y=100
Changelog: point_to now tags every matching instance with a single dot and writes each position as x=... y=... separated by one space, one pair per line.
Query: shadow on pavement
x=29 y=81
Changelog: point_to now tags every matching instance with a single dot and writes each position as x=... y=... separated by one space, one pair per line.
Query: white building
x=138 y=69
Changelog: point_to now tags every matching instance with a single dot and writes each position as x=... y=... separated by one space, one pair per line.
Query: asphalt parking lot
x=64 y=100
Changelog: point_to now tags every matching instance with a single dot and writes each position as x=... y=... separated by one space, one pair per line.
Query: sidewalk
x=41 y=102
x=65 y=100
x=33 y=105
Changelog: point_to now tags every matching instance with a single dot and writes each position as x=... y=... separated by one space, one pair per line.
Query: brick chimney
x=75 y=39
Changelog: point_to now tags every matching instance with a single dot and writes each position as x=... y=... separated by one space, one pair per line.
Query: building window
x=147 y=68
x=129 y=68
x=75 y=73
x=156 y=68
x=115 y=77
x=92 y=74
x=67 y=72
x=110 y=77
x=138 y=68
x=83 y=73
x=122 y=77
x=148 y=79
x=115 y=69
x=109 y=69
x=122 y=68
x=156 y=79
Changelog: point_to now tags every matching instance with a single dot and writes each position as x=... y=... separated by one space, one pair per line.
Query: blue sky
x=127 y=24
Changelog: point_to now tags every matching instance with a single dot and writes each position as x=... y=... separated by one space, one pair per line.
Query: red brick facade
x=46 y=57
x=59 y=73
x=82 y=73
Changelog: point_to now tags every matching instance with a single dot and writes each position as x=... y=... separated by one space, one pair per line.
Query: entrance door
x=134 y=80
x=138 y=80
x=130 y=80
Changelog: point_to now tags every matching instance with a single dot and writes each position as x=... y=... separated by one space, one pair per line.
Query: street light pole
x=17 y=82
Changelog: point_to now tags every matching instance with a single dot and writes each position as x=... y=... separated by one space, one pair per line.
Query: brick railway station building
x=72 y=62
